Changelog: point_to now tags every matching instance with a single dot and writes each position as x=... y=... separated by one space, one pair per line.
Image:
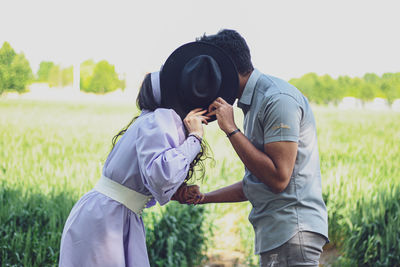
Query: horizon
x=338 y=39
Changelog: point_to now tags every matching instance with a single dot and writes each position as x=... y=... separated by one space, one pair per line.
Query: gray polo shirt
x=276 y=111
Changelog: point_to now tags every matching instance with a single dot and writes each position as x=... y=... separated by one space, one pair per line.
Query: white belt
x=131 y=199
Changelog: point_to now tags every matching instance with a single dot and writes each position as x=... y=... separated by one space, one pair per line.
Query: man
x=279 y=150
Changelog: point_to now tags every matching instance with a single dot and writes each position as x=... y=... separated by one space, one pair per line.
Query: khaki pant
x=303 y=249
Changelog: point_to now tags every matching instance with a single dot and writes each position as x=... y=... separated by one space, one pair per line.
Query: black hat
x=194 y=75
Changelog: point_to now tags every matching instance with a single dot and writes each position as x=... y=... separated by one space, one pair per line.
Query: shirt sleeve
x=163 y=161
x=281 y=118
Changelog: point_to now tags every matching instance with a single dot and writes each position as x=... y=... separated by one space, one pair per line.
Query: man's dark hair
x=234 y=45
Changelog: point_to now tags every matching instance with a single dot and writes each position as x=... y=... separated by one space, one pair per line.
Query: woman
x=154 y=156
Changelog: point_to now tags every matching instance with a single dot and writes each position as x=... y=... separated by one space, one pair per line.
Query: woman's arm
x=164 y=163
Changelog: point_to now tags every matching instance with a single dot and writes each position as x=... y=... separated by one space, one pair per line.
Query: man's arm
x=231 y=193
x=273 y=166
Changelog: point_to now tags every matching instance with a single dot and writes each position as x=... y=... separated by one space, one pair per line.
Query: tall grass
x=52 y=153
x=360 y=165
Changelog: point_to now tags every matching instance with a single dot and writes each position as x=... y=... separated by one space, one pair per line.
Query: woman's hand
x=188 y=194
x=193 y=121
x=193 y=195
x=180 y=194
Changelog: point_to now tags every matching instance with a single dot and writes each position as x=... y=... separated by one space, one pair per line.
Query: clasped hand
x=188 y=194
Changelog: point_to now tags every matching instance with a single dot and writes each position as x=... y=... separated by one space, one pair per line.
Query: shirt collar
x=248 y=91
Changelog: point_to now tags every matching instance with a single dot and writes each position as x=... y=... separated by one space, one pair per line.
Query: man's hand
x=224 y=113
x=194 y=196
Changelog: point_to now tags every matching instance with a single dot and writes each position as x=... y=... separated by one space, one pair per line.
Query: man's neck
x=242 y=82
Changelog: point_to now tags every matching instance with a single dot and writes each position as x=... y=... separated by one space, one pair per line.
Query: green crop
x=52 y=153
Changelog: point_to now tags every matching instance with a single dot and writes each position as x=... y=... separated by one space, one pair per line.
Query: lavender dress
x=152 y=158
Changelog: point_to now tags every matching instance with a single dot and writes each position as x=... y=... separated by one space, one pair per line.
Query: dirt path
x=328 y=256
x=235 y=259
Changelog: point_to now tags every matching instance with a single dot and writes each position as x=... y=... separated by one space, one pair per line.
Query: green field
x=52 y=153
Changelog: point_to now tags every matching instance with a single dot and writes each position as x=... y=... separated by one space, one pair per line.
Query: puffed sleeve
x=164 y=158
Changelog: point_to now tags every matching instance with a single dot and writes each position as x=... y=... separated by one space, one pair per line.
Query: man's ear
x=242 y=82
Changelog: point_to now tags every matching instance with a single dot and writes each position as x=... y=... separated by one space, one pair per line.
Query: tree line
x=325 y=89
x=101 y=77
x=16 y=74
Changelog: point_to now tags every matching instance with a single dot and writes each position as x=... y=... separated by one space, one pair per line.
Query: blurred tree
x=20 y=73
x=54 y=75
x=122 y=84
x=368 y=91
x=371 y=86
x=327 y=92
x=3 y=78
x=355 y=87
x=306 y=84
x=397 y=85
x=104 y=78
x=15 y=71
x=390 y=86
x=44 y=71
x=67 y=76
x=371 y=78
x=86 y=73
x=342 y=86
x=55 y=78
x=7 y=54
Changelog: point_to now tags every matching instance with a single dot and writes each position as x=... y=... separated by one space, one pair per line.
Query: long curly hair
x=145 y=100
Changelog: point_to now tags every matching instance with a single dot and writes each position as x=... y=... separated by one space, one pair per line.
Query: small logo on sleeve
x=282 y=125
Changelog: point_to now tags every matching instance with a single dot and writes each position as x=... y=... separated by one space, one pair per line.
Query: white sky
x=287 y=38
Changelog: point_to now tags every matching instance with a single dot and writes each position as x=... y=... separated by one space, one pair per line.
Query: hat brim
x=172 y=69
